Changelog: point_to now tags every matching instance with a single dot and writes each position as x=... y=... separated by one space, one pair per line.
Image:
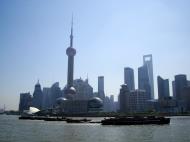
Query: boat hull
x=135 y=121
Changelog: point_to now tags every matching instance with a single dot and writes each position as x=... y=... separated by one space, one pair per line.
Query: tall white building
x=147 y=61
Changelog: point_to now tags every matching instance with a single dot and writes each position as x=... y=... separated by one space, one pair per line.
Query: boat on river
x=69 y=120
x=136 y=120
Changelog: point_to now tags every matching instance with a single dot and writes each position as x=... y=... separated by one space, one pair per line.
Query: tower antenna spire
x=71 y=36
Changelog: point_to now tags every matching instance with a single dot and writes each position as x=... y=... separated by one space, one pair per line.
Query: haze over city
x=108 y=36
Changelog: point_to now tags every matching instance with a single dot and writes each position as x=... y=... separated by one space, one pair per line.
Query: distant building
x=55 y=92
x=83 y=90
x=143 y=80
x=137 y=101
x=47 y=101
x=37 y=96
x=109 y=104
x=124 y=92
x=129 y=78
x=180 y=84
x=147 y=61
x=173 y=89
x=50 y=95
x=80 y=106
x=101 y=87
x=186 y=98
x=112 y=104
x=132 y=101
x=25 y=101
x=163 y=88
x=167 y=105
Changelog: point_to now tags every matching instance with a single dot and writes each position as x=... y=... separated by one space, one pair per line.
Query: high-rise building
x=71 y=52
x=137 y=101
x=50 y=95
x=147 y=61
x=25 y=101
x=83 y=90
x=173 y=89
x=186 y=98
x=37 y=96
x=180 y=84
x=101 y=93
x=55 y=93
x=109 y=104
x=47 y=101
x=124 y=91
x=163 y=88
x=112 y=105
x=143 y=80
x=129 y=78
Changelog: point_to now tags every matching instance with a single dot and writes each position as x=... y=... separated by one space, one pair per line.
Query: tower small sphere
x=71 y=51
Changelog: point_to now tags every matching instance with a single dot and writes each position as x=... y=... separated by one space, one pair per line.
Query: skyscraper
x=147 y=61
x=180 y=84
x=71 y=52
x=47 y=99
x=124 y=92
x=25 y=101
x=163 y=88
x=143 y=80
x=55 y=93
x=129 y=78
x=173 y=89
x=83 y=89
x=37 y=96
x=101 y=93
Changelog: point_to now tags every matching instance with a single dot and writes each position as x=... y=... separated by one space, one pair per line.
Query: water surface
x=14 y=130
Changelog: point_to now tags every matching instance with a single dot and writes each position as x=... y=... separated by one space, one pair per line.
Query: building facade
x=83 y=90
x=163 y=88
x=101 y=93
x=173 y=89
x=186 y=98
x=148 y=61
x=25 y=101
x=37 y=96
x=143 y=80
x=180 y=84
x=129 y=78
x=137 y=101
x=124 y=92
x=47 y=101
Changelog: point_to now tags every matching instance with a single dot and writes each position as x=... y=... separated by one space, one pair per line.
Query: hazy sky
x=108 y=36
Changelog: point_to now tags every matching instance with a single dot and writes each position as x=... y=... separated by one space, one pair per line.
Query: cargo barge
x=136 y=120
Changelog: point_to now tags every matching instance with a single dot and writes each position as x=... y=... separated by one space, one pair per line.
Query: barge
x=136 y=120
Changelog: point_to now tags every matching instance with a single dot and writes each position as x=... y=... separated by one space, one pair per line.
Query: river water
x=14 y=130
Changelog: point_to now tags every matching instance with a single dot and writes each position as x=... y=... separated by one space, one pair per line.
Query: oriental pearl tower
x=70 y=90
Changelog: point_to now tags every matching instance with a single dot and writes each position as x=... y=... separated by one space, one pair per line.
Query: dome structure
x=61 y=100
x=95 y=102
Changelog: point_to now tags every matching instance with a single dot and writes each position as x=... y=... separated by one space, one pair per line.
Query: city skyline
x=33 y=43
